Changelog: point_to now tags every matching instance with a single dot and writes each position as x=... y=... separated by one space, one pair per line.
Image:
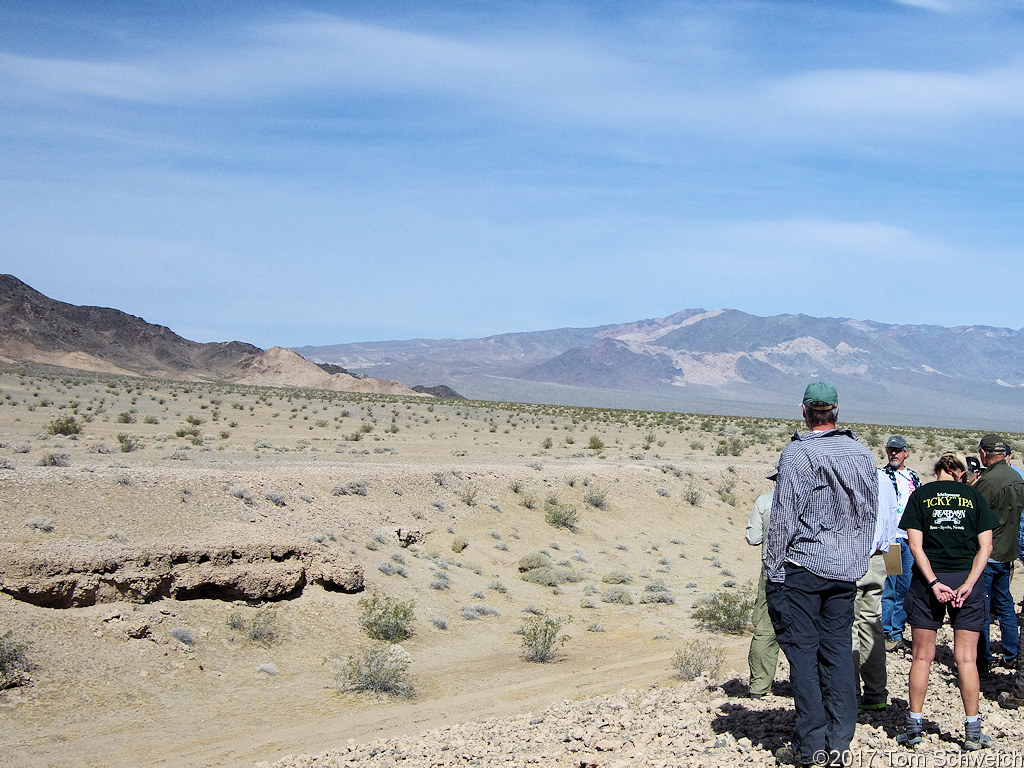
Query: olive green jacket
x=1003 y=489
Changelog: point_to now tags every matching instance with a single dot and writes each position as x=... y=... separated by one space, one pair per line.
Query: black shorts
x=925 y=611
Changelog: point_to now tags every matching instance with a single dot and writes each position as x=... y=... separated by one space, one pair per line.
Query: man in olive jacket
x=1003 y=489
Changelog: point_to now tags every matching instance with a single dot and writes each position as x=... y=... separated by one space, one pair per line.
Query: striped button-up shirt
x=824 y=507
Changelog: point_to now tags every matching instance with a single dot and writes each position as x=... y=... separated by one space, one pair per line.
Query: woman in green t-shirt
x=949 y=528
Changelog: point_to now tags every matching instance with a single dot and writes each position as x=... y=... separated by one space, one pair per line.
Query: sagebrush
x=698 y=657
x=378 y=669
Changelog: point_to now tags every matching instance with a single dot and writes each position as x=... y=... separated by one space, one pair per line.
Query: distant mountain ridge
x=727 y=361
x=37 y=329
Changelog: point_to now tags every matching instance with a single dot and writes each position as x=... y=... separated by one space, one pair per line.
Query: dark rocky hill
x=36 y=329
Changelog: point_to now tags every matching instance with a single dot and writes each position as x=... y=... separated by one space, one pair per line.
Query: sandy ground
x=99 y=698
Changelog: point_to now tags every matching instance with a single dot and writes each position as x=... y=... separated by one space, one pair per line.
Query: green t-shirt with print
x=950 y=515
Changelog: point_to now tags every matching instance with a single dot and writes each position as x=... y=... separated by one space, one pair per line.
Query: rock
x=138 y=630
x=407 y=537
x=74 y=574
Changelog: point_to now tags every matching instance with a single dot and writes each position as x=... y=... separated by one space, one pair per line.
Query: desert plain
x=659 y=499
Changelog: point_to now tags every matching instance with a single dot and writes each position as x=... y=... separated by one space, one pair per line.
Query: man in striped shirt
x=819 y=541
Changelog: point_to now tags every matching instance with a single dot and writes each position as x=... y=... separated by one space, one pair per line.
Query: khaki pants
x=868 y=637
x=763 y=657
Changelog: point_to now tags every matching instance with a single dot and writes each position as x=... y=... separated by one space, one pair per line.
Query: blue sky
x=318 y=172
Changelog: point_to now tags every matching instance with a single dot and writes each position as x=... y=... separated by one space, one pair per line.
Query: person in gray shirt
x=820 y=538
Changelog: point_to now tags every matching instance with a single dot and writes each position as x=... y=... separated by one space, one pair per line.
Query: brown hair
x=950 y=462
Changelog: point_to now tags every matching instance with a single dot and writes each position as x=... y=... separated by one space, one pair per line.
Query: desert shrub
x=533 y=560
x=14 y=662
x=468 y=496
x=726 y=492
x=497 y=586
x=515 y=486
x=390 y=569
x=54 y=460
x=276 y=498
x=6 y=464
x=64 y=425
x=151 y=420
x=128 y=443
x=476 y=610
x=124 y=417
x=657 y=592
x=541 y=636
x=438 y=622
x=459 y=543
x=193 y=432
x=263 y=627
x=236 y=621
x=596 y=627
x=385 y=618
x=240 y=492
x=43 y=524
x=698 y=657
x=183 y=635
x=692 y=496
x=561 y=515
x=441 y=582
x=596 y=497
x=617 y=594
x=595 y=443
x=552 y=576
x=617 y=577
x=351 y=488
x=377 y=669
x=725 y=611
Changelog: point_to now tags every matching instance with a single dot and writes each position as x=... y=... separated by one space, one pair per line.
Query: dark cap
x=973 y=465
x=992 y=444
x=821 y=396
x=898 y=442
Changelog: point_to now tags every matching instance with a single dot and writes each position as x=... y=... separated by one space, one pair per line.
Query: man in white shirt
x=904 y=481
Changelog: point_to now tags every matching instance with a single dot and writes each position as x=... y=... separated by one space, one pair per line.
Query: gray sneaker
x=913 y=734
x=974 y=739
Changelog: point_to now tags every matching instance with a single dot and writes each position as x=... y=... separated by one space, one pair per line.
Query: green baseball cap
x=821 y=396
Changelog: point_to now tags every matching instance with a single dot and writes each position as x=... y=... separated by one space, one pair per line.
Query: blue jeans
x=995 y=580
x=894 y=615
x=813 y=619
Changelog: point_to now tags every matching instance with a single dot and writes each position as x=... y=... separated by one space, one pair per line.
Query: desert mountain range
x=727 y=362
x=720 y=361
x=39 y=330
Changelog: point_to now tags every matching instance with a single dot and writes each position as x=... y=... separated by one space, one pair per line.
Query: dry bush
x=378 y=669
x=14 y=663
x=617 y=594
x=552 y=575
x=698 y=657
x=533 y=560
